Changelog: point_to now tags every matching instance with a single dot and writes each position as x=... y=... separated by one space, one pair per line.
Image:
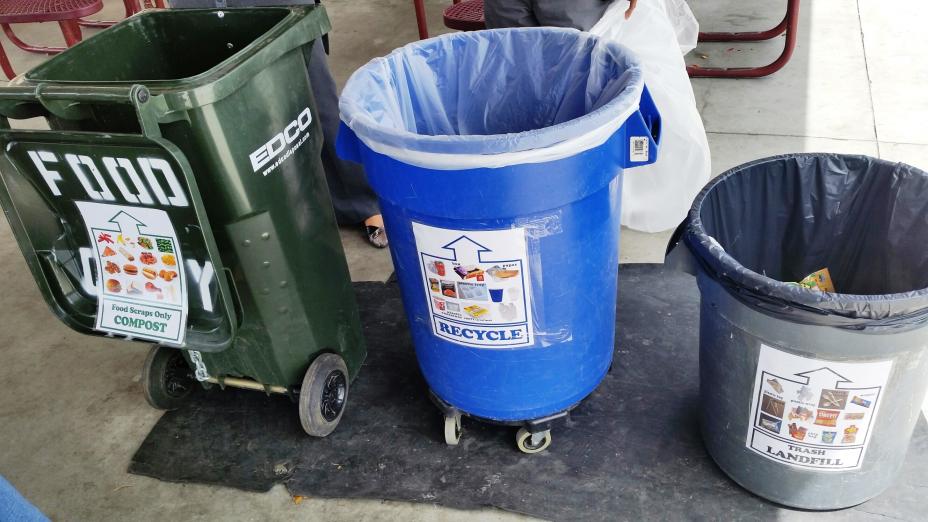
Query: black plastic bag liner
x=782 y=218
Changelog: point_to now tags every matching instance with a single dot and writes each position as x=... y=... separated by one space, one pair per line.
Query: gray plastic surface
x=781 y=218
x=730 y=337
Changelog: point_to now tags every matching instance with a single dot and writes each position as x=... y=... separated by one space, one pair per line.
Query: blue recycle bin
x=498 y=159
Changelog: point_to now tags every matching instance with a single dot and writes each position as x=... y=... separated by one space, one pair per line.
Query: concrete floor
x=71 y=414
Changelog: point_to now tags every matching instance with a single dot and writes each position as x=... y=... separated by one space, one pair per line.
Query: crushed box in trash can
x=820 y=279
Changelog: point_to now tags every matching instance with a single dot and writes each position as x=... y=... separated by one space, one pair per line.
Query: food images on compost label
x=812 y=413
x=477 y=285
x=142 y=267
x=140 y=280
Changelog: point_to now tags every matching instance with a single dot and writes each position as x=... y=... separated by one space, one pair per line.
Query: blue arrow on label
x=468 y=248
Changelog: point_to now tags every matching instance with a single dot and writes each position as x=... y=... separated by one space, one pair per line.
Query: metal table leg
x=421 y=20
x=789 y=25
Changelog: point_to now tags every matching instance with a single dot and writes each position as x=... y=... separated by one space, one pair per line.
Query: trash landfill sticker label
x=477 y=285
x=141 y=291
x=812 y=413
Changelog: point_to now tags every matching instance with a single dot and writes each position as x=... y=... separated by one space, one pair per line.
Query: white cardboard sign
x=141 y=289
x=477 y=285
x=813 y=413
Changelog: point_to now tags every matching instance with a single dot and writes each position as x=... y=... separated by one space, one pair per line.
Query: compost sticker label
x=141 y=292
x=477 y=285
x=812 y=413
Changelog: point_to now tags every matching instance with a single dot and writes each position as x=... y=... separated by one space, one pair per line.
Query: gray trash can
x=809 y=398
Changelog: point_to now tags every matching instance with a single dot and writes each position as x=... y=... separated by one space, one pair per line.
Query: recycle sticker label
x=477 y=285
x=141 y=290
x=813 y=413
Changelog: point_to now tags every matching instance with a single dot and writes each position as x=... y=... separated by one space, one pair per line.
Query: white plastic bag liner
x=495 y=98
x=656 y=197
x=683 y=22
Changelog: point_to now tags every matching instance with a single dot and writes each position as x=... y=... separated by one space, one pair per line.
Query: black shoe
x=377 y=236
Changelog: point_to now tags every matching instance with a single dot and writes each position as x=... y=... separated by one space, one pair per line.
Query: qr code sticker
x=639 y=148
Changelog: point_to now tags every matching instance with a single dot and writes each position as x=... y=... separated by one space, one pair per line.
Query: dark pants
x=352 y=197
x=579 y=14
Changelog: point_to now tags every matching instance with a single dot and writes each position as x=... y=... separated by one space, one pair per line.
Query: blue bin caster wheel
x=529 y=442
x=453 y=429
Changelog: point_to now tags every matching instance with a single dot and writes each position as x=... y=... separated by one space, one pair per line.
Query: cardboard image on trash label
x=477 y=285
x=813 y=413
x=141 y=288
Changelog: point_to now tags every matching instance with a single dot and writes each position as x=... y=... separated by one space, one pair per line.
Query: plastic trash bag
x=493 y=98
x=759 y=226
x=683 y=22
x=656 y=197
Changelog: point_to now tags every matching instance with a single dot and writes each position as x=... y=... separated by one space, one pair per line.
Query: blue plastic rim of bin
x=474 y=97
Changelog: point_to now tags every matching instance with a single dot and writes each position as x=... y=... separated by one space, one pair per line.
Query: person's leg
x=14 y=507
x=579 y=14
x=508 y=13
x=354 y=201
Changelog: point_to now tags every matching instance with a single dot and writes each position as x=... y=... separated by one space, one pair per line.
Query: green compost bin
x=179 y=198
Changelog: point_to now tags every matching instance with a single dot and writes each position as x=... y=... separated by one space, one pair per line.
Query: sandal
x=376 y=236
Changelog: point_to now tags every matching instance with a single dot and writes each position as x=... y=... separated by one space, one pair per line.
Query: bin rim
x=794 y=302
x=560 y=140
x=294 y=15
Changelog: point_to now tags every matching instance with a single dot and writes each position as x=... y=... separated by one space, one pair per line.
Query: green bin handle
x=167 y=101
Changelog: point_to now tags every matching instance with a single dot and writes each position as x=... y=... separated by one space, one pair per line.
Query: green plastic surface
x=224 y=97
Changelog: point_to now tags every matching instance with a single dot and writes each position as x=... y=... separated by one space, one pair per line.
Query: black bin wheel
x=167 y=379
x=323 y=394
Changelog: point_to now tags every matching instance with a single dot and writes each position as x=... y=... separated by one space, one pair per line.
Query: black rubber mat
x=632 y=450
